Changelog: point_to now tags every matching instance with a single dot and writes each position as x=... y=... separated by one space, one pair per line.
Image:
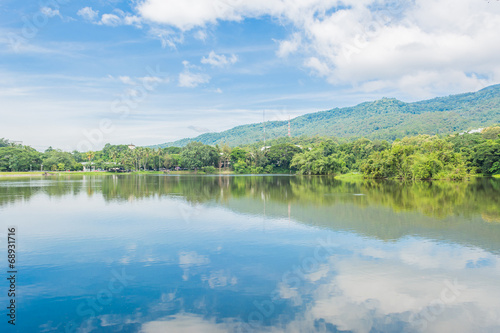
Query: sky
x=79 y=74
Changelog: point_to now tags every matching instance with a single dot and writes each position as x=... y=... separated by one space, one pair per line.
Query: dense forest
x=386 y=119
x=453 y=157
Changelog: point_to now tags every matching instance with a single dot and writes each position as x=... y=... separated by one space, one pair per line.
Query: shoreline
x=347 y=176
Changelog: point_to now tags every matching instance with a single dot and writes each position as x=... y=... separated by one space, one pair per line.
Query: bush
x=209 y=169
x=240 y=167
x=257 y=170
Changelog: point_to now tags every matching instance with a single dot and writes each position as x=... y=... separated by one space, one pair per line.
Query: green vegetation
x=385 y=119
x=422 y=157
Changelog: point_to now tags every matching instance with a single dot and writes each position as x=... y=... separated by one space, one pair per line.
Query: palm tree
x=158 y=153
x=90 y=156
x=114 y=155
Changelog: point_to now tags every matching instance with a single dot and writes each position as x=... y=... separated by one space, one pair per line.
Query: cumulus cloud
x=406 y=45
x=217 y=60
x=88 y=13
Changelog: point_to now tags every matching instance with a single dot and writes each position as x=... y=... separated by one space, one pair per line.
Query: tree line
x=416 y=157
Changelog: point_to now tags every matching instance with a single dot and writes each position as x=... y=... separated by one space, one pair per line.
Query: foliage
x=238 y=154
x=19 y=159
x=421 y=157
x=486 y=157
x=314 y=162
x=281 y=155
x=209 y=169
x=385 y=119
x=197 y=155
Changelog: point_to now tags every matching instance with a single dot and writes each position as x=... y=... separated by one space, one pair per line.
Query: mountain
x=386 y=119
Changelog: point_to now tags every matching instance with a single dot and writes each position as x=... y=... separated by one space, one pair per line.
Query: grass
x=51 y=173
x=350 y=176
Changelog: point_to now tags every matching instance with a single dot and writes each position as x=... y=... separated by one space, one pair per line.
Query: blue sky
x=78 y=74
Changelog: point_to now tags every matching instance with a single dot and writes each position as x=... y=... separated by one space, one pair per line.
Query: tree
x=281 y=155
x=491 y=133
x=55 y=159
x=19 y=158
x=90 y=155
x=238 y=154
x=196 y=155
x=313 y=162
x=4 y=143
x=487 y=156
x=171 y=161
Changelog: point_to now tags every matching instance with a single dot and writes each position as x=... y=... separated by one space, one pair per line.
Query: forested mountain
x=386 y=119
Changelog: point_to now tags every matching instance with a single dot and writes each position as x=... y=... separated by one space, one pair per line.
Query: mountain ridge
x=386 y=118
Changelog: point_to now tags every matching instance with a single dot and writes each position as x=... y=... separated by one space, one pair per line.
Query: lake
x=167 y=253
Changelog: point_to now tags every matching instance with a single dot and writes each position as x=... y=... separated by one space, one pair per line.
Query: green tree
x=486 y=156
x=281 y=155
x=238 y=154
x=196 y=155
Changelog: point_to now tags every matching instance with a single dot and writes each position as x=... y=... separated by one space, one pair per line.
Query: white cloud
x=49 y=12
x=192 y=80
x=384 y=44
x=88 y=13
x=219 y=60
x=187 y=14
x=188 y=79
x=132 y=20
x=200 y=35
x=126 y=80
x=118 y=17
x=111 y=20
x=289 y=46
x=167 y=37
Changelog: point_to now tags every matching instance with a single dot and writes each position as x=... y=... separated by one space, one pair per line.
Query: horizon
x=152 y=72
x=155 y=146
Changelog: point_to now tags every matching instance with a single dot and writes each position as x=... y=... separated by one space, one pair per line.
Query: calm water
x=252 y=254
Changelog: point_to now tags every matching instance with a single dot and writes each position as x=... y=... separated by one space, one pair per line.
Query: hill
x=386 y=119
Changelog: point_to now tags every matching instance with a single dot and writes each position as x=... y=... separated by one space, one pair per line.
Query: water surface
x=253 y=254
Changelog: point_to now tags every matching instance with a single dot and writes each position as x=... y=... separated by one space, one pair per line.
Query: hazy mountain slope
x=387 y=119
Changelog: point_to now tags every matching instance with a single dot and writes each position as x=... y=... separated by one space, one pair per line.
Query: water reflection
x=437 y=199
x=263 y=254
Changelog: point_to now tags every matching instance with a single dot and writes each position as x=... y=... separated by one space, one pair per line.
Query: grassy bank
x=51 y=173
x=101 y=173
x=350 y=176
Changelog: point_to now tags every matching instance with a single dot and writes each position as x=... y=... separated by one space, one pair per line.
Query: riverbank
x=351 y=176
x=101 y=173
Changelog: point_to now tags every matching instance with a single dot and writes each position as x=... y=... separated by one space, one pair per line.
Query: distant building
x=477 y=130
x=131 y=146
x=264 y=148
